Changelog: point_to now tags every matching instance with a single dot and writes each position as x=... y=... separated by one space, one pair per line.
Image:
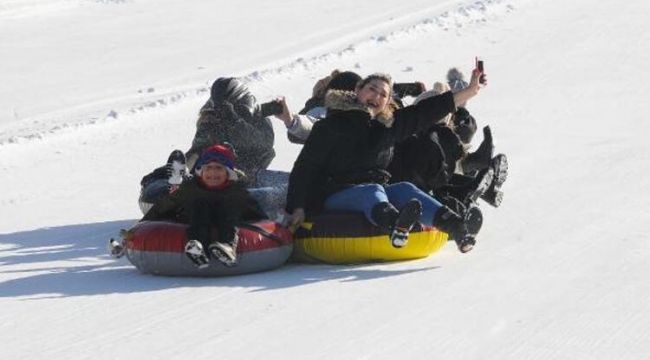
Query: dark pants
x=205 y=218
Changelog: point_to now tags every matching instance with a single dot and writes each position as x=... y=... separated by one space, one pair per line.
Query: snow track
x=306 y=51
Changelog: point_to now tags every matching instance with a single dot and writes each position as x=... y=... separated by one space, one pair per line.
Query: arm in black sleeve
x=165 y=209
x=421 y=116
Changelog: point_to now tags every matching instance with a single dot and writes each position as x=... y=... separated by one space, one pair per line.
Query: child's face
x=214 y=174
x=375 y=95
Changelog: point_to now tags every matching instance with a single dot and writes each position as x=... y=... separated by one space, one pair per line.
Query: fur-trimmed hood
x=347 y=100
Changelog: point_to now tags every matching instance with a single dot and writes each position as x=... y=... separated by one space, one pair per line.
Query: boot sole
x=467 y=245
x=201 y=261
x=408 y=216
x=116 y=248
x=500 y=166
x=223 y=257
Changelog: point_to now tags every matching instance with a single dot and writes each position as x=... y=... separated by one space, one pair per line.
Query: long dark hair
x=377 y=76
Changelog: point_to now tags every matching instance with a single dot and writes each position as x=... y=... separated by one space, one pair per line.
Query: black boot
x=473 y=219
x=493 y=195
x=499 y=165
x=450 y=222
x=225 y=252
x=471 y=191
x=462 y=230
x=409 y=214
x=482 y=157
x=384 y=214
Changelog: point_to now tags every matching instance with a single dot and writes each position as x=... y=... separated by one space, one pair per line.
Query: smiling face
x=214 y=174
x=375 y=94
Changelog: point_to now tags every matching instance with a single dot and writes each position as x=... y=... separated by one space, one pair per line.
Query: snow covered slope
x=96 y=93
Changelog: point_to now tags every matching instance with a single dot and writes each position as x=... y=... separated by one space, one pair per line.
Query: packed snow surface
x=96 y=93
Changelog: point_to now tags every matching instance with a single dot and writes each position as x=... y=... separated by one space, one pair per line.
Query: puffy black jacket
x=428 y=159
x=349 y=147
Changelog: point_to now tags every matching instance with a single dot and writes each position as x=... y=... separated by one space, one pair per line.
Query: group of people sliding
x=364 y=151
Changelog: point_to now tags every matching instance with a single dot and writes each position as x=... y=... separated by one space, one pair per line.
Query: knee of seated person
x=406 y=186
x=155 y=189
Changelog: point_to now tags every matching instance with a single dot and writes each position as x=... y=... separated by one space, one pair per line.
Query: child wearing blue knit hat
x=213 y=198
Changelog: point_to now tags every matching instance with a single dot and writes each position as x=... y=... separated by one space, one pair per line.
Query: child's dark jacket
x=236 y=201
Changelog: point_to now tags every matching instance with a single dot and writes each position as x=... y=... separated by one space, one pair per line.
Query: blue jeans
x=364 y=197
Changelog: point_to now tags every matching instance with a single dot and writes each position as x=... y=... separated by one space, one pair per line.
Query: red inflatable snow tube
x=156 y=247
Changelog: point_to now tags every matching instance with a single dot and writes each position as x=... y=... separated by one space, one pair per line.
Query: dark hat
x=464 y=125
x=221 y=154
x=346 y=80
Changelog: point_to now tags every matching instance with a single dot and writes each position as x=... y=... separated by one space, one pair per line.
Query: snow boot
x=225 y=252
x=473 y=219
x=462 y=230
x=384 y=214
x=482 y=157
x=473 y=222
x=176 y=167
x=194 y=252
x=409 y=214
x=116 y=248
x=493 y=195
x=500 y=166
x=479 y=185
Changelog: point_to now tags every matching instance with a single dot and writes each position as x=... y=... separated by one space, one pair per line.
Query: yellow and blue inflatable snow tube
x=348 y=238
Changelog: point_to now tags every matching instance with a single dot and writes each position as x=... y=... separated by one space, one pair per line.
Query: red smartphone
x=479 y=66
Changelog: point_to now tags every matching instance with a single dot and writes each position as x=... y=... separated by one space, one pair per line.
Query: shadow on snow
x=73 y=261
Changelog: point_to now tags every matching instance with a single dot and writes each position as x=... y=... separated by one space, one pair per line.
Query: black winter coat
x=235 y=203
x=428 y=159
x=349 y=147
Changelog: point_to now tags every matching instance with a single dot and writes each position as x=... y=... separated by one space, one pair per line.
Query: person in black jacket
x=429 y=159
x=212 y=198
x=342 y=165
x=438 y=162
